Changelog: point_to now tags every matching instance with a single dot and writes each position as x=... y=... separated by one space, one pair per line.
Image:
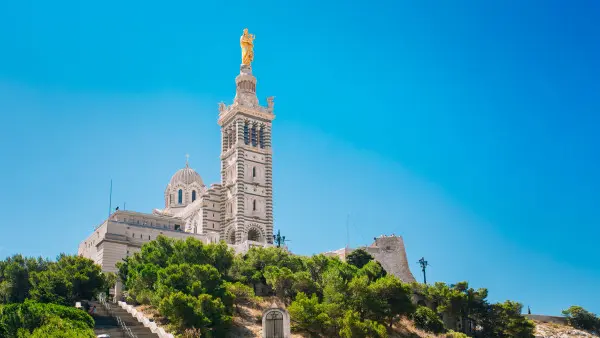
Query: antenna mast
x=110 y=199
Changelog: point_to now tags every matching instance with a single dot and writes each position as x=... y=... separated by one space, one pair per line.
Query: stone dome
x=186 y=176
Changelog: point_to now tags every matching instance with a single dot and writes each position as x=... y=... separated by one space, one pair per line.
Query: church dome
x=186 y=176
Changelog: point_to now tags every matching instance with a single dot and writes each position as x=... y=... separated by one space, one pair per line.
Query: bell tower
x=246 y=159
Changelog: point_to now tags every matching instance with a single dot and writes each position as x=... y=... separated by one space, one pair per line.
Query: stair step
x=105 y=323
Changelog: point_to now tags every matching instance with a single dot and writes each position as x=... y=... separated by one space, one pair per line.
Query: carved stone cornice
x=230 y=111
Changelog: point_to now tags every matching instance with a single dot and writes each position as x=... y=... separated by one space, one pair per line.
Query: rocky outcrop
x=554 y=330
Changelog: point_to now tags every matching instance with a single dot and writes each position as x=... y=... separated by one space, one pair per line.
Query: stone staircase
x=111 y=323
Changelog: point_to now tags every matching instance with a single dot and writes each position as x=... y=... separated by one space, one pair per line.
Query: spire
x=187 y=160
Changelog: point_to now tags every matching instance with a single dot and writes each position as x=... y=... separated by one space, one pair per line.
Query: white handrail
x=120 y=322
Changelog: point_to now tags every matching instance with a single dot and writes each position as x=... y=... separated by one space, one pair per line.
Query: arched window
x=254 y=205
x=254 y=235
x=253 y=171
x=232 y=237
x=254 y=135
x=246 y=138
x=180 y=198
x=261 y=137
x=193 y=195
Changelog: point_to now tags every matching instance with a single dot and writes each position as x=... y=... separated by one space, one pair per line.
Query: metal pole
x=110 y=200
x=423 y=264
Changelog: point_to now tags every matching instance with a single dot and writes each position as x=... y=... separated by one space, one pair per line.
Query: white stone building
x=238 y=210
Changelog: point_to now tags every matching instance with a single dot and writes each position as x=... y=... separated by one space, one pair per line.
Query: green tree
x=373 y=270
x=202 y=312
x=580 y=318
x=281 y=279
x=309 y=314
x=427 y=320
x=15 y=274
x=504 y=320
x=243 y=293
x=70 y=279
x=391 y=299
x=359 y=258
x=31 y=315
x=251 y=267
x=353 y=327
x=57 y=327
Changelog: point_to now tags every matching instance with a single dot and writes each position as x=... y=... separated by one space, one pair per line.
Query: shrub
x=56 y=327
x=580 y=318
x=243 y=293
x=353 y=327
x=202 y=312
x=31 y=315
x=426 y=319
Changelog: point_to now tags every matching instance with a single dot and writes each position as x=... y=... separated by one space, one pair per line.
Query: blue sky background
x=468 y=127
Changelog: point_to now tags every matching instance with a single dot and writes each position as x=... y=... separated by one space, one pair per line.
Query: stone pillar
x=118 y=290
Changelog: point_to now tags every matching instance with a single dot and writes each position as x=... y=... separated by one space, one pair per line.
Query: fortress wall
x=390 y=252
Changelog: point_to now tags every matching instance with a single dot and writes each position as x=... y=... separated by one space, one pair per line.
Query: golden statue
x=247 y=44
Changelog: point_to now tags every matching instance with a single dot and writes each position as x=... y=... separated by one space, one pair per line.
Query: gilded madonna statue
x=247 y=44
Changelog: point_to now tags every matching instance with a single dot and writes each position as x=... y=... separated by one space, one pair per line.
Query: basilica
x=238 y=210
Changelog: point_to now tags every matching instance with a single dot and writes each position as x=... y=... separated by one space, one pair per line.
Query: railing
x=124 y=327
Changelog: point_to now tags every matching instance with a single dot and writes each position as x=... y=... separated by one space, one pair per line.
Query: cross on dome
x=187 y=160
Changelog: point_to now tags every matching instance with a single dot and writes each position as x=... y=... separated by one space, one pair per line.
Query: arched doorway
x=254 y=235
x=231 y=239
x=274 y=324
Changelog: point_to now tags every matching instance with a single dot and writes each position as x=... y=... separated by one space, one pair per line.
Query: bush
x=202 y=312
x=359 y=258
x=452 y=334
x=426 y=319
x=243 y=293
x=580 y=318
x=56 y=327
x=30 y=316
x=70 y=279
x=353 y=327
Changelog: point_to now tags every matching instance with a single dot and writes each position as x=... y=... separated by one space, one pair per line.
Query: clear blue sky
x=468 y=127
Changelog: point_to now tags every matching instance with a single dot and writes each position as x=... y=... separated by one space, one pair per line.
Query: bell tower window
x=254 y=135
x=180 y=196
x=193 y=195
x=261 y=137
x=246 y=138
x=253 y=171
x=254 y=205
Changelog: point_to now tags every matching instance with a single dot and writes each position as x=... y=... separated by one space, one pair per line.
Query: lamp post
x=424 y=265
x=278 y=239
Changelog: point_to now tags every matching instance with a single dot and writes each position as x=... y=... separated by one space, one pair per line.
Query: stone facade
x=246 y=164
x=389 y=251
x=126 y=231
x=238 y=210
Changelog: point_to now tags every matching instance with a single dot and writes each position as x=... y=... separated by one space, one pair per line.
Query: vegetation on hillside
x=197 y=286
x=582 y=319
x=37 y=296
